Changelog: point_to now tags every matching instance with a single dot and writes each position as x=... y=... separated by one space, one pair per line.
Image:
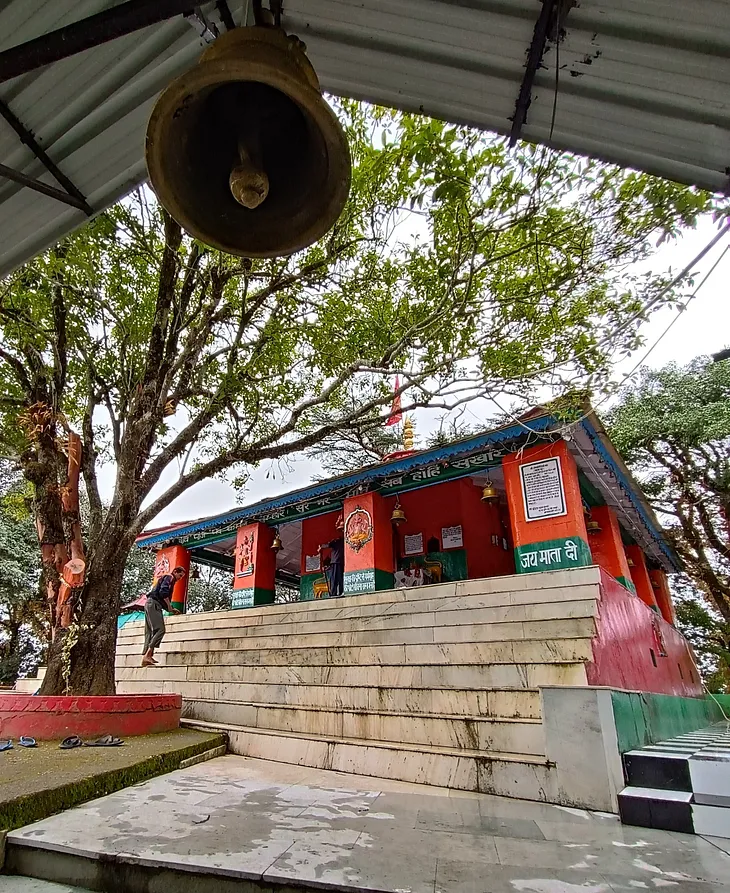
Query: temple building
x=535 y=496
x=503 y=599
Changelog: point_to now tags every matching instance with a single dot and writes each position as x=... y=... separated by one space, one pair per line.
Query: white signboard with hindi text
x=542 y=489
x=452 y=537
x=413 y=544
x=312 y=563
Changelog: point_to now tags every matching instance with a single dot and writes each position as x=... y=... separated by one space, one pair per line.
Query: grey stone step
x=573 y=628
x=540 y=651
x=411 y=676
x=510 y=703
x=506 y=774
x=441 y=613
x=471 y=732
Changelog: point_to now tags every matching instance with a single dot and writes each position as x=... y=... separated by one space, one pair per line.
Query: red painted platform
x=50 y=718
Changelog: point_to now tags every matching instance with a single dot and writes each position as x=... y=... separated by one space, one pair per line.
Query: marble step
x=538 y=651
x=442 y=611
x=501 y=618
x=509 y=703
x=473 y=732
x=506 y=774
x=411 y=676
x=569 y=628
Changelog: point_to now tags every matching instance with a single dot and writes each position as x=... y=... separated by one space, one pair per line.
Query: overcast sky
x=702 y=329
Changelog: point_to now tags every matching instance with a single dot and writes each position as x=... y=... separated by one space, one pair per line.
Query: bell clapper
x=248 y=180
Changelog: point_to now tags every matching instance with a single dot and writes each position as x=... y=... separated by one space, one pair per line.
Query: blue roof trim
x=628 y=488
x=409 y=463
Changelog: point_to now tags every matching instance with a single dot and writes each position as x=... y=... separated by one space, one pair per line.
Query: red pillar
x=640 y=577
x=545 y=509
x=607 y=546
x=254 y=574
x=662 y=594
x=368 y=544
x=166 y=561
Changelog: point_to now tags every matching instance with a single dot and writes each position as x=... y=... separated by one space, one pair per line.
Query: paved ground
x=55 y=778
x=245 y=818
x=30 y=885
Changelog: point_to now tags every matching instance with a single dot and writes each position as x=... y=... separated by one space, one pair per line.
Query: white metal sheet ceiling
x=646 y=85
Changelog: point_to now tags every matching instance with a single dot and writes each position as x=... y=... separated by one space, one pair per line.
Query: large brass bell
x=244 y=152
x=489 y=493
x=398 y=516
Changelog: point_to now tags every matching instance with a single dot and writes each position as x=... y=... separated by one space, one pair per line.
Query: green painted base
x=178 y=606
x=627 y=584
x=251 y=598
x=367 y=581
x=643 y=718
x=313 y=586
x=553 y=555
x=448 y=567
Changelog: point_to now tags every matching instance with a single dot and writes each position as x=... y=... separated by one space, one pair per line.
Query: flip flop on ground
x=104 y=741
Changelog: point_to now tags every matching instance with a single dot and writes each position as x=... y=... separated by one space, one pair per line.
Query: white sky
x=703 y=329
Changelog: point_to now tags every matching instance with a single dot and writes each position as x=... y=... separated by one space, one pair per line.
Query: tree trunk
x=85 y=664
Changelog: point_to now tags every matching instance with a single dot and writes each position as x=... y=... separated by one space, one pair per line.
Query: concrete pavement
x=240 y=823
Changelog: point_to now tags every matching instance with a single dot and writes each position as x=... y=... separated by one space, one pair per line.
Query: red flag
x=395 y=414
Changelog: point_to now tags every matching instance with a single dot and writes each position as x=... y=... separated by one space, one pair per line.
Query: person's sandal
x=70 y=742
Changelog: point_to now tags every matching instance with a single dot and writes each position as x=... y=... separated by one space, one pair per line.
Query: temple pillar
x=640 y=576
x=607 y=546
x=662 y=594
x=166 y=561
x=368 y=537
x=254 y=574
x=545 y=509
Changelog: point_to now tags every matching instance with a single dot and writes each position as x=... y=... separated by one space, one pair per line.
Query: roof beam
x=534 y=58
x=60 y=196
x=87 y=33
x=30 y=141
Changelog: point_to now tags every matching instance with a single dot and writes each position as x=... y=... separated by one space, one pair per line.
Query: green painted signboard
x=553 y=555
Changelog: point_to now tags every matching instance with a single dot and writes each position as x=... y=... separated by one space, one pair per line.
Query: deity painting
x=162 y=567
x=244 y=555
x=358 y=529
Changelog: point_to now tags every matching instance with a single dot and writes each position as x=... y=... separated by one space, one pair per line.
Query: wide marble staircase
x=438 y=684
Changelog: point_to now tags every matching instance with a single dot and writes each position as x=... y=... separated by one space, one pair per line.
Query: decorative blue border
x=628 y=489
x=399 y=466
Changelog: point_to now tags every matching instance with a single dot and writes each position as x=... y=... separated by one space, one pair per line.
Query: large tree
x=24 y=624
x=464 y=266
x=673 y=428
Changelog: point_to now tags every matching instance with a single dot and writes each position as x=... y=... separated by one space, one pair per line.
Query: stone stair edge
x=408 y=714
x=505 y=756
x=311 y=609
x=574 y=630
x=429 y=620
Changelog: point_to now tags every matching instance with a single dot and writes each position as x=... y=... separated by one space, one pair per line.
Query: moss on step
x=41 y=781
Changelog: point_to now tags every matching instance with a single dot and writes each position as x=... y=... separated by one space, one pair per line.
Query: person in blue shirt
x=335 y=571
x=158 y=600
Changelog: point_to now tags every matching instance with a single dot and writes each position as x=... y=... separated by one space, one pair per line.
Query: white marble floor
x=235 y=817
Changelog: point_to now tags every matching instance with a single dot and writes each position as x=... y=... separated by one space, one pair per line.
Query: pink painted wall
x=627 y=632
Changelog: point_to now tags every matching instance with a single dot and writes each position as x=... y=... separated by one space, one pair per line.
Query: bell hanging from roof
x=398 y=516
x=276 y=545
x=489 y=493
x=244 y=152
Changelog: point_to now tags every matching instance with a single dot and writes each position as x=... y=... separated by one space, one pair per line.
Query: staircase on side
x=436 y=685
x=682 y=784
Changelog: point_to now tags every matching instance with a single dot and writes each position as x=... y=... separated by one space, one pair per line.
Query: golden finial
x=408 y=434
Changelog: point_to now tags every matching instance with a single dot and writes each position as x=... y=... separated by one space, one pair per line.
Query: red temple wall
x=625 y=639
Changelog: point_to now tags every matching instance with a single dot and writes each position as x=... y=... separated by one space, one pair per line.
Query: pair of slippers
x=24 y=741
x=105 y=741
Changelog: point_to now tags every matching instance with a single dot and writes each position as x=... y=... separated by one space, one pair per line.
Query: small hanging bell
x=489 y=493
x=398 y=516
x=276 y=544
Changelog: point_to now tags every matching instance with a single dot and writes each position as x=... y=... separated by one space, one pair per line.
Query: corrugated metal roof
x=645 y=85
